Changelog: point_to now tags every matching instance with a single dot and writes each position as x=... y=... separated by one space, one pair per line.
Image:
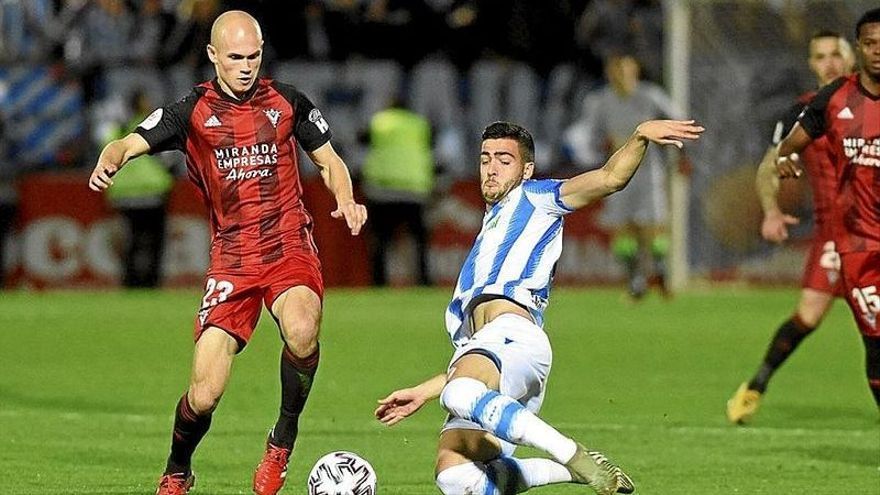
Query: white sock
x=506 y=418
x=502 y=476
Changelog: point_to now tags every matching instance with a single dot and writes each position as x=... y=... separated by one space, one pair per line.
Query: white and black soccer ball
x=342 y=473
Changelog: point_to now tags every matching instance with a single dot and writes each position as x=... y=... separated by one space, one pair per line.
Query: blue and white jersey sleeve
x=545 y=196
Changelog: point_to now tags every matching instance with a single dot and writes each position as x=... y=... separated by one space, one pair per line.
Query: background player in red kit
x=239 y=133
x=830 y=57
x=847 y=113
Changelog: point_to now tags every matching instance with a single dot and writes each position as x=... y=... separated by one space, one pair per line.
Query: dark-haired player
x=847 y=113
x=495 y=382
x=830 y=58
x=240 y=134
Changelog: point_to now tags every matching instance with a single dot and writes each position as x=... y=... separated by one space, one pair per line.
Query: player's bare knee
x=302 y=341
x=204 y=398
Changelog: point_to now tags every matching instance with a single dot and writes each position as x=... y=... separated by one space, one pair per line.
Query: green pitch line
x=89 y=380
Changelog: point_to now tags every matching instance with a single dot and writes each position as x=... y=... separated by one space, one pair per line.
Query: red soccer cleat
x=175 y=484
x=272 y=470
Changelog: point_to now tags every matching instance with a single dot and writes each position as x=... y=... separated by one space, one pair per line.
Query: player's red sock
x=296 y=382
x=787 y=338
x=189 y=428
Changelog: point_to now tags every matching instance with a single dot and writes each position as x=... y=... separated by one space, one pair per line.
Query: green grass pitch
x=88 y=383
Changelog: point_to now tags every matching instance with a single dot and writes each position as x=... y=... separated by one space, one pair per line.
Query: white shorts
x=521 y=350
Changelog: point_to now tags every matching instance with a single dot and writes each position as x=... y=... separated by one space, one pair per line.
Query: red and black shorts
x=233 y=300
x=861 y=279
x=822 y=269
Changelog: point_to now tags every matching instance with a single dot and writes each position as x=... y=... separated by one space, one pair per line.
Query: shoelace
x=176 y=480
x=277 y=456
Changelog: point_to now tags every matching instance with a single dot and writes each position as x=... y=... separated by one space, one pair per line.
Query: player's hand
x=775 y=226
x=399 y=405
x=102 y=175
x=673 y=132
x=789 y=167
x=355 y=215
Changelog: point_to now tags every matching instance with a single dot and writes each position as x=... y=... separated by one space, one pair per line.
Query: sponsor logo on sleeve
x=152 y=120
x=316 y=118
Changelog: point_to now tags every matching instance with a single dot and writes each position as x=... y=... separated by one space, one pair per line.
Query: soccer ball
x=342 y=473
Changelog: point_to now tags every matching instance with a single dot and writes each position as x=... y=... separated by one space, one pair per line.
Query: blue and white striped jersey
x=514 y=255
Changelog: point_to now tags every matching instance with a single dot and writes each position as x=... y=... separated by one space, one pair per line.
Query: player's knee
x=461 y=479
x=204 y=398
x=460 y=394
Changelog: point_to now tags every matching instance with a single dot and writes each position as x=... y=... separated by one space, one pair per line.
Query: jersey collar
x=864 y=90
x=247 y=96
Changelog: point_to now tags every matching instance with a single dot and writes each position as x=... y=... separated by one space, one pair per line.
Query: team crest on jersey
x=273 y=116
x=316 y=118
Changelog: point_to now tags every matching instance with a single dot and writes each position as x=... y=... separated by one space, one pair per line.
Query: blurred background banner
x=70 y=70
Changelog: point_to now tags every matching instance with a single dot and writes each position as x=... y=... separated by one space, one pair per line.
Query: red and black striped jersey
x=818 y=159
x=849 y=116
x=242 y=156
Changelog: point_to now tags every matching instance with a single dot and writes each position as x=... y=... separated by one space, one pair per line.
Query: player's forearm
x=767 y=182
x=120 y=151
x=338 y=182
x=431 y=388
x=623 y=164
x=585 y=188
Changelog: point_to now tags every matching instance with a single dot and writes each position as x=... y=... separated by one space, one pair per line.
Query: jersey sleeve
x=309 y=127
x=544 y=195
x=165 y=129
x=812 y=119
x=785 y=123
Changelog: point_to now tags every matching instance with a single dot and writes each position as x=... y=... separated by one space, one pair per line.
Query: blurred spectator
x=403 y=30
x=638 y=215
x=398 y=178
x=140 y=193
x=342 y=25
x=35 y=30
x=191 y=34
x=284 y=24
x=603 y=29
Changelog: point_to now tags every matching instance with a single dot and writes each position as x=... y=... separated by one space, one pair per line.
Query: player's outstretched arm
x=774 y=228
x=338 y=180
x=113 y=157
x=788 y=164
x=403 y=403
x=585 y=188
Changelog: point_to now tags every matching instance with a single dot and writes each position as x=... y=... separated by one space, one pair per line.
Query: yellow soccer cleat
x=743 y=405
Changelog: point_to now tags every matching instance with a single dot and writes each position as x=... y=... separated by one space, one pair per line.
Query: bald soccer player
x=239 y=133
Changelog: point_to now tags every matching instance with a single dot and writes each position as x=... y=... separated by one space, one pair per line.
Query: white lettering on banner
x=58 y=249
x=98 y=248
x=51 y=249
x=187 y=251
